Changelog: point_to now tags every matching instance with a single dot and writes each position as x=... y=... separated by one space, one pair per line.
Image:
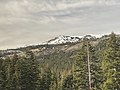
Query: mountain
x=55 y=16
x=61 y=43
x=62 y=39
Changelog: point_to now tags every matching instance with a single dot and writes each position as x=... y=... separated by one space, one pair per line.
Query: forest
x=91 y=67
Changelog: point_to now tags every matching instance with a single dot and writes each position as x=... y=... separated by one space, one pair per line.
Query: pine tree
x=5 y=73
x=68 y=83
x=87 y=69
x=111 y=64
x=29 y=72
x=81 y=70
x=2 y=74
x=46 y=80
x=15 y=85
x=95 y=68
x=11 y=73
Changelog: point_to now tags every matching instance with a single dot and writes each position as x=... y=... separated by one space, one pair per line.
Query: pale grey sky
x=24 y=22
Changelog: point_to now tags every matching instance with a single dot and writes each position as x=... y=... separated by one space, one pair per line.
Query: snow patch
x=62 y=39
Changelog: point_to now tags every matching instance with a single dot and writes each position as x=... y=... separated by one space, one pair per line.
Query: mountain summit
x=62 y=39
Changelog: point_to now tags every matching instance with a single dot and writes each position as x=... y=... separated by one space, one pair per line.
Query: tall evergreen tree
x=87 y=69
x=29 y=72
x=81 y=70
x=9 y=73
x=2 y=74
x=95 y=68
x=68 y=83
x=111 y=64
x=15 y=75
x=6 y=73
x=46 y=80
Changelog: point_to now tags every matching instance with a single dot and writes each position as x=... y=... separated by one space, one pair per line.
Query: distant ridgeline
x=63 y=63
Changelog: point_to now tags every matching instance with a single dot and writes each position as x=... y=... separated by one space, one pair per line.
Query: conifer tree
x=81 y=70
x=15 y=75
x=5 y=73
x=11 y=73
x=68 y=83
x=2 y=75
x=46 y=80
x=29 y=72
x=111 y=64
x=95 y=68
x=87 y=73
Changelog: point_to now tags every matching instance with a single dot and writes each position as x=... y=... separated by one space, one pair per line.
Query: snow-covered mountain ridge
x=62 y=42
x=62 y=39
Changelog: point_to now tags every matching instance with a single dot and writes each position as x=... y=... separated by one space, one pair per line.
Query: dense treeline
x=93 y=67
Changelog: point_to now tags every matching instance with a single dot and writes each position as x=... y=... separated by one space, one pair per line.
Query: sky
x=29 y=22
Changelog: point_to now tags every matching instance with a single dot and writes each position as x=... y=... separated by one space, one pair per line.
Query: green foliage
x=47 y=81
x=81 y=70
x=68 y=83
x=55 y=69
x=2 y=74
x=95 y=66
x=111 y=64
x=29 y=72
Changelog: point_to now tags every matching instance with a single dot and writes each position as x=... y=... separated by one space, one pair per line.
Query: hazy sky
x=24 y=22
